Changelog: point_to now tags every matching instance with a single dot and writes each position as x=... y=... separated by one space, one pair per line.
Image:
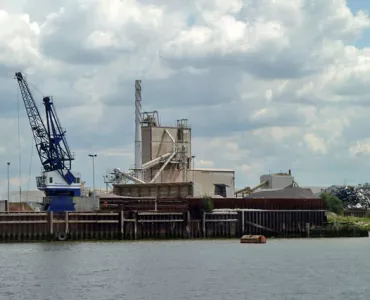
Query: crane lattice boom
x=51 y=144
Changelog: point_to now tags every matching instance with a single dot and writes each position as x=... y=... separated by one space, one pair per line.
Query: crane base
x=59 y=204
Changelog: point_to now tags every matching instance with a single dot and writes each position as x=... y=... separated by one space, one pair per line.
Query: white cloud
x=267 y=85
x=360 y=148
x=315 y=144
x=18 y=40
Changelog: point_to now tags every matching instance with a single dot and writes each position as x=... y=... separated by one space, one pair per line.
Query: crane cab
x=53 y=183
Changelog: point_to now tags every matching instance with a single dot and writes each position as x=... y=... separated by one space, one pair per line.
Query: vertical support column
x=136 y=216
x=122 y=224
x=67 y=222
x=7 y=202
x=138 y=138
x=308 y=229
x=51 y=224
x=204 y=224
x=188 y=223
x=185 y=164
x=184 y=227
x=243 y=222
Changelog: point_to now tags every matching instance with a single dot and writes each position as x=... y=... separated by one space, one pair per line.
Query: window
x=50 y=179
x=180 y=135
x=220 y=189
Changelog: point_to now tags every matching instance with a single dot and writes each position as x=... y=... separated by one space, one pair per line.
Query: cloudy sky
x=267 y=85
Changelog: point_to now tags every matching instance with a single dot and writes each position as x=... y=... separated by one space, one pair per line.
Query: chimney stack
x=138 y=140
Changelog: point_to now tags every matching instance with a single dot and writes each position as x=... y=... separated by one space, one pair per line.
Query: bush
x=207 y=204
x=333 y=203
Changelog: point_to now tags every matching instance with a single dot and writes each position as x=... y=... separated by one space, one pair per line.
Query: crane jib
x=50 y=141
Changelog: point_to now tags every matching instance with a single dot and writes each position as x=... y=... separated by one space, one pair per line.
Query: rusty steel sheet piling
x=135 y=225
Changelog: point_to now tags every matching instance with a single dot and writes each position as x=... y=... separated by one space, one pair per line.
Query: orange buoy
x=253 y=239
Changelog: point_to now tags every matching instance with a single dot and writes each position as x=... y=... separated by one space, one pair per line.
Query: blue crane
x=57 y=180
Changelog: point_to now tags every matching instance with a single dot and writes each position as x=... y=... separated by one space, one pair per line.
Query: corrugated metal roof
x=316 y=189
x=267 y=190
x=114 y=196
x=287 y=193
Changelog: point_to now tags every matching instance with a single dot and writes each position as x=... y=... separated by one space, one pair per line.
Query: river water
x=279 y=270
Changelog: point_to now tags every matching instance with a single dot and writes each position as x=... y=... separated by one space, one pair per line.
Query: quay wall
x=122 y=225
x=178 y=204
x=3 y=205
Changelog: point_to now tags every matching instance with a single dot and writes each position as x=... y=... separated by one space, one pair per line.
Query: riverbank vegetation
x=335 y=207
x=207 y=204
x=333 y=203
x=347 y=221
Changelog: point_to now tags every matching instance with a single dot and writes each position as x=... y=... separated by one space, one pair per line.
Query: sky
x=267 y=85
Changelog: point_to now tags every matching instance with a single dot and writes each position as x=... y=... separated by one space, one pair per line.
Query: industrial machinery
x=176 y=153
x=270 y=181
x=57 y=180
x=248 y=190
x=117 y=176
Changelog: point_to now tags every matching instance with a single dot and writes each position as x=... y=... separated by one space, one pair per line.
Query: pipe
x=164 y=165
x=129 y=176
x=185 y=172
x=249 y=190
x=138 y=139
x=155 y=161
x=173 y=140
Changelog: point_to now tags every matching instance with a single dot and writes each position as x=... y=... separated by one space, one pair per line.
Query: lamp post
x=7 y=207
x=106 y=183
x=93 y=160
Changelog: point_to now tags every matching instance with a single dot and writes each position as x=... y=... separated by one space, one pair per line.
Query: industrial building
x=270 y=182
x=278 y=180
x=165 y=164
x=162 y=190
x=163 y=155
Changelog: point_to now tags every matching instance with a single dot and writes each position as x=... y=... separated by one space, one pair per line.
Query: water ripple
x=280 y=270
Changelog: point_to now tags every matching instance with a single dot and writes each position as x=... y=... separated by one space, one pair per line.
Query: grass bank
x=341 y=221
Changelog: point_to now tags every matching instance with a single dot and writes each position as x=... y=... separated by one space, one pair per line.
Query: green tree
x=333 y=203
x=207 y=203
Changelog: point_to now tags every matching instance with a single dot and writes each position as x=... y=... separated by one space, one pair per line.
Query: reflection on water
x=280 y=270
